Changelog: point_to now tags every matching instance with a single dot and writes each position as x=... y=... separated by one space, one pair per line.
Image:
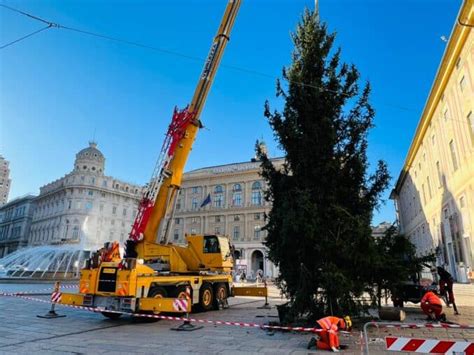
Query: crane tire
x=220 y=294
x=206 y=297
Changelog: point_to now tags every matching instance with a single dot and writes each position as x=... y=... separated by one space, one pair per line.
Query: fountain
x=48 y=262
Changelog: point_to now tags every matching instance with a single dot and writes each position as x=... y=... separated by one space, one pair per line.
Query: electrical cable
x=25 y=37
x=178 y=54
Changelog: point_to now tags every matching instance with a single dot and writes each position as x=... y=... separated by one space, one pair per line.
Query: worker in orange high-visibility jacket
x=327 y=337
x=432 y=306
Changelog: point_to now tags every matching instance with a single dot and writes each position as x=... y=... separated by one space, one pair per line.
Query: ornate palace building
x=84 y=207
x=227 y=199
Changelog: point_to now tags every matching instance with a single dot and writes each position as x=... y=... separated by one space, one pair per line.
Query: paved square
x=82 y=332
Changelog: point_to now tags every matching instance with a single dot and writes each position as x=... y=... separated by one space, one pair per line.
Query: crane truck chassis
x=154 y=272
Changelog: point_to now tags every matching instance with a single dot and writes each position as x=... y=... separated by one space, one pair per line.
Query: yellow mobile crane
x=154 y=272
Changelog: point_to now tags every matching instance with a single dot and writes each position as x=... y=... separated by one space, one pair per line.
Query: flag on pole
x=206 y=201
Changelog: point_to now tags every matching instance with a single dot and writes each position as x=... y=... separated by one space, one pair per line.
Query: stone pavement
x=81 y=332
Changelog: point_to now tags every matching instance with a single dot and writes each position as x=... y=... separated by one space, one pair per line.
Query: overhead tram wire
x=25 y=37
x=178 y=54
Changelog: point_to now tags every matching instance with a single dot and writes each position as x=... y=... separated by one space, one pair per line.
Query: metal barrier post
x=266 y=305
x=55 y=298
x=187 y=326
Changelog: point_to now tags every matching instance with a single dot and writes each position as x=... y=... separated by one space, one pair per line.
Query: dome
x=90 y=159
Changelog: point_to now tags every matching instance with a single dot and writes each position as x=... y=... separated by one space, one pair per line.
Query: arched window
x=218 y=189
x=237 y=187
x=256 y=185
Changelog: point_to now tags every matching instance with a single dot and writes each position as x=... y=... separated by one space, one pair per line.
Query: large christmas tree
x=319 y=231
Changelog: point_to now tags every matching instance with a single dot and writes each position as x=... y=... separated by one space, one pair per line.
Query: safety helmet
x=348 y=322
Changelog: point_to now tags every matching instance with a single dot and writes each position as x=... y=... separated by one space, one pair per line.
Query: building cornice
x=459 y=35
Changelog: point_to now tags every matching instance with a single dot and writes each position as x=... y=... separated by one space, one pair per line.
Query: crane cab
x=214 y=252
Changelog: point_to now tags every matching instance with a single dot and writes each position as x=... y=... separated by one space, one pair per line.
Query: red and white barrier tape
x=429 y=346
x=157 y=316
x=239 y=324
x=50 y=289
x=427 y=325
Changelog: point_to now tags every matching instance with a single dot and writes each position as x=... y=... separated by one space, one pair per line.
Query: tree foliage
x=395 y=261
x=323 y=198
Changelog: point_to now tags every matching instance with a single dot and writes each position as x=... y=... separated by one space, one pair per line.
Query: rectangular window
x=446 y=115
x=433 y=140
x=237 y=199
x=176 y=221
x=193 y=230
x=91 y=193
x=194 y=203
x=454 y=159
x=217 y=230
x=176 y=234
x=236 y=217
x=424 y=194
x=236 y=233
x=462 y=84
x=219 y=200
x=114 y=210
x=217 y=219
x=195 y=189
x=440 y=176
x=470 y=121
x=462 y=203
x=194 y=220
x=256 y=197
x=256 y=216
x=124 y=212
x=104 y=183
x=256 y=233
x=101 y=207
x=428 y=184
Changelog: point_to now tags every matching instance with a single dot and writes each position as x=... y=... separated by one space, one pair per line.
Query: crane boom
x=159 y=198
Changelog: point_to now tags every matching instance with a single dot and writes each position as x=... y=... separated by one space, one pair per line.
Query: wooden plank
x=250 y=291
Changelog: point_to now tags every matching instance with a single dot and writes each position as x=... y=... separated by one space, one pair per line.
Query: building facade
x=85 y=207
x=4 y=180
x=227 y=200
x=379 y=230
x=15 y=221
x=434 y=194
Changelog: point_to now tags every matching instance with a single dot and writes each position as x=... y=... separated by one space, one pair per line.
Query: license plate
x=108 y=271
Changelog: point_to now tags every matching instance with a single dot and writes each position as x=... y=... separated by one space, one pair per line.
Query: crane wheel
x=206 y=297
x=220 y=295
x=157 y=292
x=154 y=292
x=111 y=315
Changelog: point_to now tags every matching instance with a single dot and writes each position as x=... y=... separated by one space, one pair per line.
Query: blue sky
x=59 y=87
